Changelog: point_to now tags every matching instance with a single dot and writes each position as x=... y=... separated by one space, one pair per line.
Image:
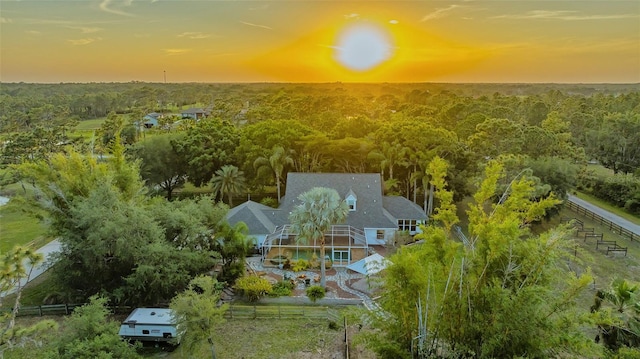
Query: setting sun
x=307 y=41
x=361 y=47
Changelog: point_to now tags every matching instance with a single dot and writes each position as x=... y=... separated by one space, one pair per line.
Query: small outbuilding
x=149 y=324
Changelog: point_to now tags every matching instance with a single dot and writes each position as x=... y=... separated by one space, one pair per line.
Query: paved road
x=606 y=214
x=46 y=251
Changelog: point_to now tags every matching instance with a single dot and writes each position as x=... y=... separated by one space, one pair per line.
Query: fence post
x=346 y=340
x=66 y=308
x=40 y=310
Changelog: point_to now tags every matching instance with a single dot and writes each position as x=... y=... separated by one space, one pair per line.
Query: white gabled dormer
x=351 y=200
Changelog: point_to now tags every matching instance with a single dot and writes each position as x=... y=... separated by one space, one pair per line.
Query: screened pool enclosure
x=343 y=245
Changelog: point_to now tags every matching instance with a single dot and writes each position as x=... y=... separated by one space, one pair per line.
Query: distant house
x=373 y=218
x=195 y=113
x=151 y=120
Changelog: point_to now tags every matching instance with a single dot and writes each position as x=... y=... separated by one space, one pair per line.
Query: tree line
x=266 y=130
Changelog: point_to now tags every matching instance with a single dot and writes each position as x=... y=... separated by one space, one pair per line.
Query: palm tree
x=389 y=156
x=228 y=180
x=275 y=164
x=624 y=328
x=320 y=209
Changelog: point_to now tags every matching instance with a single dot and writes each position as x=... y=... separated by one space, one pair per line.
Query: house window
x=409 y=225
x=380 y=234
x=341 y=256
x=351 y=199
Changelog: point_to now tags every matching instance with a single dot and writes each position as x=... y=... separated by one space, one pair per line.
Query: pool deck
x=339 y=275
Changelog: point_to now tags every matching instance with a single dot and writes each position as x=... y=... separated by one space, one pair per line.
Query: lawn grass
x=35 y=291
x=19 y=228
x=245 y=338
x=609 y=207
x=90 y=125
x=604 y=268
x=267 y=339
x=599 y=170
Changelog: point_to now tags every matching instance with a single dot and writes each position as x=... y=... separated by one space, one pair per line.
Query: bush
x=253 y=287
x=233 y=271
x=282 y=289
x=270 y=202
x=315 y=292
x=620 y=190
x=300 y=265
x=314 y=262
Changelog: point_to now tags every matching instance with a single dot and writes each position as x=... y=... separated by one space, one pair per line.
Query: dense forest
x=130 y=231
x=394 y=129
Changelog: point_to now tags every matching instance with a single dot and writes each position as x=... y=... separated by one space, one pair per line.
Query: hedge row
x=620 y=190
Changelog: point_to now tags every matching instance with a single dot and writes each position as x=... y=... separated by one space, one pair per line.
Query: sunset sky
x=319 y=41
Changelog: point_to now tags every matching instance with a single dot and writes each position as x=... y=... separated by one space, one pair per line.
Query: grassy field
x=90 y=125
x=266 y=339
x=599 y=170
x=247 y=338
x=604 y=268
x=18 y=228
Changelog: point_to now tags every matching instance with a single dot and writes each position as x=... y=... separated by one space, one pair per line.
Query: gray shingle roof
x=367 y=188
x=402 y=208
x=194 y=110
x=251 y=213
x=372 y=209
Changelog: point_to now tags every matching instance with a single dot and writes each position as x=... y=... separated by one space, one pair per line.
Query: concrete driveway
x=46 y=251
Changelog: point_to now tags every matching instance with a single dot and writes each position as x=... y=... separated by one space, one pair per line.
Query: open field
x=604 y=268
x=266 y=339
x=90 y=125
x=255 y=339
x=19 y=228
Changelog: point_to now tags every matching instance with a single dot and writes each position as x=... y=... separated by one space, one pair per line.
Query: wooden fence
x=603 y=221
x=234 y=311
x=281 y=312
x=59 y=309
x=346 y=339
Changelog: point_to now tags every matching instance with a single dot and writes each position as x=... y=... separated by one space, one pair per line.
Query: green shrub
x=253 y=287
x=269 y=201
x=314 y=261
x=315 y=292
x=282 y=289
x=299 y=265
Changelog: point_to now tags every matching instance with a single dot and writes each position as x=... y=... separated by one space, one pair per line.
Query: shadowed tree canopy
x=110 y=241
x=206 y=147
x=160 y=163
